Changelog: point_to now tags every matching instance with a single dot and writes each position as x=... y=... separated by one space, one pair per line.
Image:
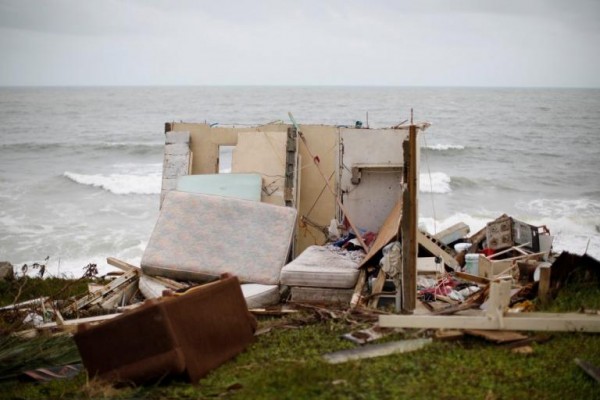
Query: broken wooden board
x=435 y=249
x=387 y=233
x=376 y=350
x=97 y=297
x=121 y=264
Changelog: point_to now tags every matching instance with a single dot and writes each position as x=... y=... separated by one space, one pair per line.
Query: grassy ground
x=286 y=363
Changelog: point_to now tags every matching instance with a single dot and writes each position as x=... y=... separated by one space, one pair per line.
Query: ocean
x=80 y=168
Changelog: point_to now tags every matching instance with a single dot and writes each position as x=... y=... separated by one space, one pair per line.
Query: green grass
x=286 y=363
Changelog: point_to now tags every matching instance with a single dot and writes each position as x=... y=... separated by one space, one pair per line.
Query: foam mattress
x=198 y=237
x=319 y=267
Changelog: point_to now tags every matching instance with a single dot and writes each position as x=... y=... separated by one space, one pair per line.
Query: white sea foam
x=437 y=182
x=558 y=208
x=444 y=147
x=120 y=183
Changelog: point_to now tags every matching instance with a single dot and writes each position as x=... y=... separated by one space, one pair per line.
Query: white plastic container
x=472 y=264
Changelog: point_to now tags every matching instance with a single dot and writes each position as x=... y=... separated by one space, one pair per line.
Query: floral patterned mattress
x=198 y=237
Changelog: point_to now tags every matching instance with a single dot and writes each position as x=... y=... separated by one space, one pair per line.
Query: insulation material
x=319 y=267
x=198 y=237
x=240 y=186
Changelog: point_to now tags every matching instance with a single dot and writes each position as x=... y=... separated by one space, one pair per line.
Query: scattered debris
x=376 y=350
x=589 y=368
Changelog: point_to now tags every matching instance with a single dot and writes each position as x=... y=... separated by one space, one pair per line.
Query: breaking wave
x=437 y=182
x=119 y=183
x=558 y=208
x=444 y=147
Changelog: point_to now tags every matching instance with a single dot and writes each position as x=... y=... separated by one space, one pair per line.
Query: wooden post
x=290 y=166
x=408 y=227
x=544 y=284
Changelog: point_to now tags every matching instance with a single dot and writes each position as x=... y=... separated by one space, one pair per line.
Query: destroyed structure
x=305 y=214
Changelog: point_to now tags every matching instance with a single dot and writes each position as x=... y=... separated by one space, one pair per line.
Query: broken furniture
x=188 y=334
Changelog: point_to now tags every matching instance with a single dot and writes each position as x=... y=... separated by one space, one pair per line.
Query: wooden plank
x=122 y=264
x=358 y=289
x=387 y=233
x=377 y=288
x=97 y=297
x=376 y=350
x=436 y=250
x=544 y=284
x=571 y=322
x=472 y=278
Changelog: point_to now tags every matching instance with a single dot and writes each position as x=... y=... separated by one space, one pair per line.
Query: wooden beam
x=121 y=264
x=571 y=322
x=544 y=284
x=409 y=224
x=377 y=288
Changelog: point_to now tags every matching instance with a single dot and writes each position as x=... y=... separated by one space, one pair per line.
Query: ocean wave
x=558 y=208
x=119 y=183
x=444 y=147
x=134 y=148
x=436 y=182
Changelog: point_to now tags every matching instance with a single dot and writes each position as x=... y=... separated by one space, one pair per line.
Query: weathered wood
x=387 y=233
x=121 y=264
x=436 y=250
x=409 y=223
x=472 y=278
x=544 y=284
x=571 y=322
x=97 y=297
x=376 y=350
x=358 y=289
x=377 y=288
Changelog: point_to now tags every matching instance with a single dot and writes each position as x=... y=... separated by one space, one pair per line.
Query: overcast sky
x=300 y=42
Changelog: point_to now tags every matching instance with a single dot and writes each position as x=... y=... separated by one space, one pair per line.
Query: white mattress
x=257 y=295
x=321 y=295
x=199 y=236
x=319 y=267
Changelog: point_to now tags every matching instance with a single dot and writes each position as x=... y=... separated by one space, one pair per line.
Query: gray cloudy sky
x=301 y=42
